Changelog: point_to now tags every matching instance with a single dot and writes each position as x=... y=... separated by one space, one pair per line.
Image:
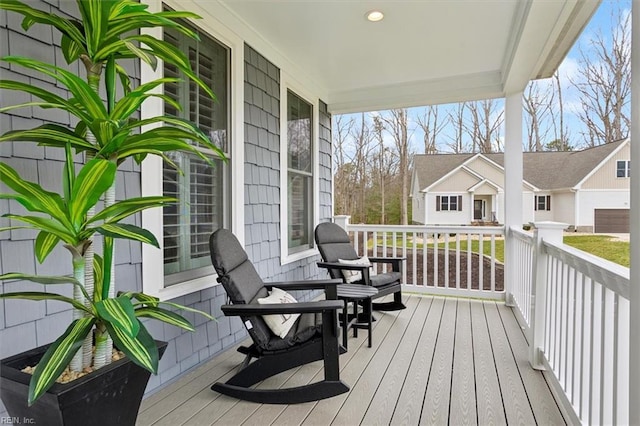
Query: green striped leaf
x=48 y=135
x=44 y=280
x=70 y=49
x=130 y=103
x=165 y=315
x=94 y=179
x=122 y=209
x=188 y=309
x=98 y=277
x=37 y=198
x=142 y=349
x=52 y=100
x=58 y=356
x=120 y=314
x=37 y=296
x=95 y=16
x=45 y=243
x=130 y=20
x=142 y=297
x=125 y=81
x=104 y=286
x=38 y=16
x=47 y=225
x=84 y=95
x=129 y=232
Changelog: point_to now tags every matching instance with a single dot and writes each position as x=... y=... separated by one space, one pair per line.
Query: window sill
x=184 y=288
x=285 y=259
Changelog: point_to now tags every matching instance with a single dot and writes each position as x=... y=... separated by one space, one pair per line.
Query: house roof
x=422 y=52
x=544 y=170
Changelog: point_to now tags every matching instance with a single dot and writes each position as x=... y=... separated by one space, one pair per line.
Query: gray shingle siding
x=28 y=324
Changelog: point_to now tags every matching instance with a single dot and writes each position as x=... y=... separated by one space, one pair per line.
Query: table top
x=355 y=291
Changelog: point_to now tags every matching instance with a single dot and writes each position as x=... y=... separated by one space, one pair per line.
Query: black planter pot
x=108 y=396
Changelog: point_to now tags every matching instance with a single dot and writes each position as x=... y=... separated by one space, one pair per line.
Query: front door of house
x=478 y=209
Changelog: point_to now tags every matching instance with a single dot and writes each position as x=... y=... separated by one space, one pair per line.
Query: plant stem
x=79 y=274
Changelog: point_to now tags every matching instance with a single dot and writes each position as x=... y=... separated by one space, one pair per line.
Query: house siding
x=605 y=176
x=459 y=181
x=27 y=324
x=563 y=207
x=435 y=217
x=487 y=170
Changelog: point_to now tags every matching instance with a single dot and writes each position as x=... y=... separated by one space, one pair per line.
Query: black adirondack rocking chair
x=334 y=244
x=313 y=337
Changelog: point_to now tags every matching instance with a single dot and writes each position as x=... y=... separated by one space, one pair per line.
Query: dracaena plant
x=107 y=132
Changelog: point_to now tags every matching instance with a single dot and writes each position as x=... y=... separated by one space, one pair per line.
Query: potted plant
x=107 y=134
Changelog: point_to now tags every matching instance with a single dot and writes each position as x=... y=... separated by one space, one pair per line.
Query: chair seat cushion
x=383 y=280
x=279 y=324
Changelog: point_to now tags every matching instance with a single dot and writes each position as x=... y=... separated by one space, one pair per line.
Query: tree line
x=373 y=152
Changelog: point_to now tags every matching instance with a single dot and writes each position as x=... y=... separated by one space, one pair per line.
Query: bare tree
x=538 y=102
x=342 y=128
x=397 y=125
x=431 y=126
x=456 y=120
x=362 y=137
x=560 y=128
x=604 y=83
x=484 y=125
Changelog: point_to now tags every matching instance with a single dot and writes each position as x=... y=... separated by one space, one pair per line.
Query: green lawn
x=599 y=245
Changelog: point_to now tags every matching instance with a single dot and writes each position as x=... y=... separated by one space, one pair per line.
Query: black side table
x=356 y=293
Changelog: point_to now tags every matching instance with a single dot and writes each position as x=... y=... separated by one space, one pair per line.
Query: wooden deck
x=440 y=361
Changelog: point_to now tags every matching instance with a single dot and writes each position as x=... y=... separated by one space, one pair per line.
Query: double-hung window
x=299 y=173
x=542 y=202
x=202 y=189
x=623 y=168
x=451 y=203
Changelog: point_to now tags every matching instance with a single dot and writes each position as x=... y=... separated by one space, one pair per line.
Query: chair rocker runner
x=313 y=337
x=334 y=244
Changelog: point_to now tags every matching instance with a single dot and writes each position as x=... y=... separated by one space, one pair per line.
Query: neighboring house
x=588 y=189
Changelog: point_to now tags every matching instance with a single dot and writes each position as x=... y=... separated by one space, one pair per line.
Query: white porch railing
x=429 y=266
x=575 y=308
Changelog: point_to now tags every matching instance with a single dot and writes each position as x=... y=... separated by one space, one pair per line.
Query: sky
x=601 y=21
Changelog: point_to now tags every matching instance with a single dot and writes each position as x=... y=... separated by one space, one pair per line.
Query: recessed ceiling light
x=374 y=15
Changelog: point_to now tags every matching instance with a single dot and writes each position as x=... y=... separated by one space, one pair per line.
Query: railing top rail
x=521 y=235
x=440 y=229
x=611 y=275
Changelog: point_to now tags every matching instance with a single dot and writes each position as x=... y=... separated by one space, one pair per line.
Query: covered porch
x=443 y=360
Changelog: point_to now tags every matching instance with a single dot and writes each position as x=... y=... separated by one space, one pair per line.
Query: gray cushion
x=381 y=280
x=333 y=243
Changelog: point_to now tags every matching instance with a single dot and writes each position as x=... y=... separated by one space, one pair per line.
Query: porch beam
x=634 y=336
x=513 y=184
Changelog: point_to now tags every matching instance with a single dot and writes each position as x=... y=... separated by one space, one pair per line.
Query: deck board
x=440 y=361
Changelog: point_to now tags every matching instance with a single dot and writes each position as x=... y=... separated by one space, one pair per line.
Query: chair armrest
x=304 y=284
x=282 y=308
x=338 y=265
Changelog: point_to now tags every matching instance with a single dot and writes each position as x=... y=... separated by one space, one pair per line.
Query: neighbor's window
x=450 y=203
x=622 y=168
x=299 y=173
x=202 y=190
x=542 y=202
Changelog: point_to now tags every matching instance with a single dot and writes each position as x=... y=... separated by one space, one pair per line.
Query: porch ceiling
x=423 y=52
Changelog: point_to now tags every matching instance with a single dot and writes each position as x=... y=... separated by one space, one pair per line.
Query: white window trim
x=288 y=83
x=151 y=170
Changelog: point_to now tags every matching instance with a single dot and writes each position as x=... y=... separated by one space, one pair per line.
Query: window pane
x=200 y=189
x=453 y=203
x=299 y=218
x=299 y=133
x=541 y=202
x=444 y=203
x=621 y=168
x=299 y=178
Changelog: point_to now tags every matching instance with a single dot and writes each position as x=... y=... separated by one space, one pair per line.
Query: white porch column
x=634 y=336
x=512 y=184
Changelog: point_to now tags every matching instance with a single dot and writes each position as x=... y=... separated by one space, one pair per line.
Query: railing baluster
x=469 y=261
x=493 y=262
x=404 y=255
x=481 y=262
x=414 y=255
x=435 y=259
x=446 y=260
x=457 y=260
x=425 y=239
